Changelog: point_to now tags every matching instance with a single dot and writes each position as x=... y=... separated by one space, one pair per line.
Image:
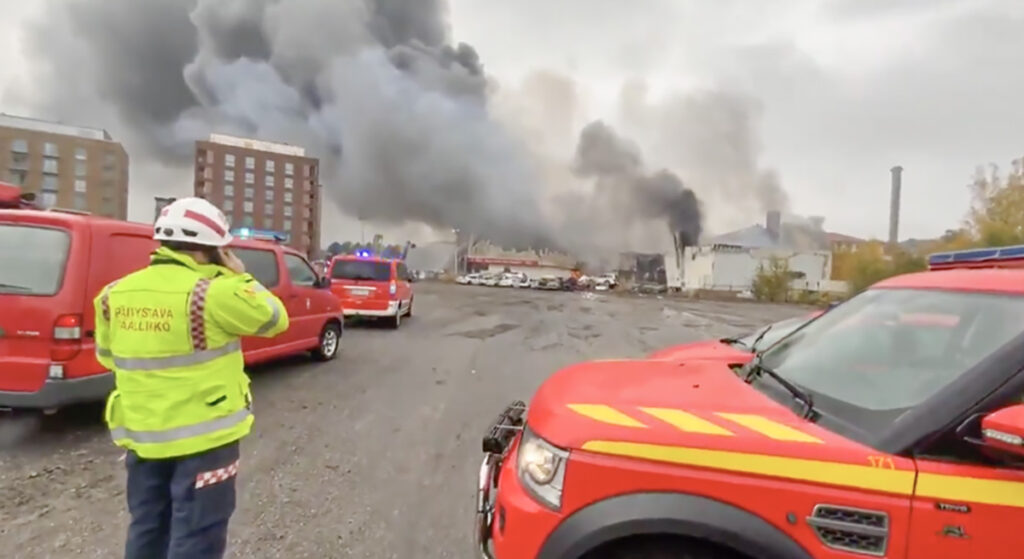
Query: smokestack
x=894 y=205
x=773 y=223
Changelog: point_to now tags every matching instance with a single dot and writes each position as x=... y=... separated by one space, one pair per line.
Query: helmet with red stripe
x=194 y=221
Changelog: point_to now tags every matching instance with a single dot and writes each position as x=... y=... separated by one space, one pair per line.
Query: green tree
x=771 y=283
x=996 y=217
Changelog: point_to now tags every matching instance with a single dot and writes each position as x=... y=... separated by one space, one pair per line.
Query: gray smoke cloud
x=626 y=188
x=398 y=115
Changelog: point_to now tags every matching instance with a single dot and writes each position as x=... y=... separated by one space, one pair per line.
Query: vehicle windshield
x=776 y=332
x=880 y=354
x=366 y=270
x=32 y=259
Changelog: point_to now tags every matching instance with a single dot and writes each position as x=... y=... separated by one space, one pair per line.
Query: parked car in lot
x=373 y=287
x=512 y=279
x=551 y=283
x=490 y=280
x=54 y=263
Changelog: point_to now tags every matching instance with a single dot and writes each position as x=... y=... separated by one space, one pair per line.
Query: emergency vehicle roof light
x=975 y=258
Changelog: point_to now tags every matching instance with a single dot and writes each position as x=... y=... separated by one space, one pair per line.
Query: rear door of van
x=364 y=284
x=43 y=266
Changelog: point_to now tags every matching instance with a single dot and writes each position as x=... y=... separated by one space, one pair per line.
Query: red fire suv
x=890 y=426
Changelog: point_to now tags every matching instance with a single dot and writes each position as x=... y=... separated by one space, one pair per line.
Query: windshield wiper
x=732 y=341
x=760 y=336
x=758 y=370
x=14 y=287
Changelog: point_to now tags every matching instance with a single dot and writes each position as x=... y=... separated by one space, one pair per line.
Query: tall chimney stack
x=773 y=223
x=894 y=205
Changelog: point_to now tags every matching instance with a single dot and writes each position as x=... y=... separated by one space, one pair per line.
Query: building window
x=229 y=160
x=287 y=225
x=229 y=205
x=288 y=183
x=50 y=150
x=287 y=211
x=81 y=202
x=289 y=169
x=229 y=175
x=250 y=178
x=207 y=173
x=19 y=146
x=109 y=161
x=48 y=199
x=50 y=183
x=17 y=176
x=248 y=193
x=268 y=180
x=79 y=168
x=268 y=210
x=80 y=185
x=50 y=165
x=229 y=190
x=81 y=154
x=250 y=163
x=247 y=206
x=19 y=160
x=270 y=166
x=268 y=195
x=288 y=197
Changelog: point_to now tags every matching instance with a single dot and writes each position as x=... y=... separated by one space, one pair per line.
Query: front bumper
x=56 y=393
x=391 y=310
x=496 y=444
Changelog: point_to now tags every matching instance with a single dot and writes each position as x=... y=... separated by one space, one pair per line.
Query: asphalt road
x=373 y=455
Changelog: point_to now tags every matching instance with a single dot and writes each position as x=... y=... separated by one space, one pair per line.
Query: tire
x=395 y=322
x=330 y=342
x=408 y=313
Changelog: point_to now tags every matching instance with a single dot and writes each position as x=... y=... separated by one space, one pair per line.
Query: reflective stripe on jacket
x=170 y=333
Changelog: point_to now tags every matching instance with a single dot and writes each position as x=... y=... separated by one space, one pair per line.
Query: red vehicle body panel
x=101 y=250
x=371 y=297
x=685 y=423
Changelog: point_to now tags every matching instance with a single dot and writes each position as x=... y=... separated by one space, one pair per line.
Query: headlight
x=541 y=468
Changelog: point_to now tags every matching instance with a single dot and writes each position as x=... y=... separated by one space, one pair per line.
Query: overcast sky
x=848 y=88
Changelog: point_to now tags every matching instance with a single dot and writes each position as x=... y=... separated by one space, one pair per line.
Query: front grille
x=849 y=529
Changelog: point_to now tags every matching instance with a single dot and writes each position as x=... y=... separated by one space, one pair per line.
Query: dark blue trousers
x=180 y=507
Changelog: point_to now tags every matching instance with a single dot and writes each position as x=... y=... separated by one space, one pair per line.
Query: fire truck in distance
x=890 y=426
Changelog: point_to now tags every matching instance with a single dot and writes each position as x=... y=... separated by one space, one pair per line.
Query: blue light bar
x=976 y=255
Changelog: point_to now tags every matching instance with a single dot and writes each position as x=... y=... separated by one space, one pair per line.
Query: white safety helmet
x=194 y=221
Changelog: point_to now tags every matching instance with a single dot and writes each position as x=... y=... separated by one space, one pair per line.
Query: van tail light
x=67 y=337
x=393 y=287
x=68 y=327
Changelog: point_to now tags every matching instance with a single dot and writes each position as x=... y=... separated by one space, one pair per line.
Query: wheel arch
x=668 y=514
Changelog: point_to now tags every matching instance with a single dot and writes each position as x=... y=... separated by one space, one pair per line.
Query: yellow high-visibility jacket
x=170 y=333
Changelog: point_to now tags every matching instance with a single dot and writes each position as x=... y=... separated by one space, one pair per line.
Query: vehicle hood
x=696 y=404
x=704 y=350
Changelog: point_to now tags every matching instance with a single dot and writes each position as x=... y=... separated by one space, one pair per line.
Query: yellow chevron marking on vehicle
x=769 y=428
x=900 y=482
x=971 y=489
x=687 y=421
x=606 y=414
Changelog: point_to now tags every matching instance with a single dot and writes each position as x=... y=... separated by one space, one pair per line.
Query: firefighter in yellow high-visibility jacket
x=170 y=333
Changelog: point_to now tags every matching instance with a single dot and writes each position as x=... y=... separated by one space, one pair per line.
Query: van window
x=299 y=271
x=262 y=264
x=32 y=259
x=367 y=270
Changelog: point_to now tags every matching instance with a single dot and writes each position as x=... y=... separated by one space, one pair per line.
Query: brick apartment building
x=263 y=186
x=71 y=167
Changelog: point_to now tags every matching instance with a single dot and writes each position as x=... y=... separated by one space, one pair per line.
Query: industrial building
x=483 y=256
x=265 y=186
x=730 y=262
x=73 y=167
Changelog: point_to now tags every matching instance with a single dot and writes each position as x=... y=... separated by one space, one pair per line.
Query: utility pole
x=455 y=261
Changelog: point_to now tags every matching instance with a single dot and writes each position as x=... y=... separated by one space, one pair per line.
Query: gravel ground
x=373 y=455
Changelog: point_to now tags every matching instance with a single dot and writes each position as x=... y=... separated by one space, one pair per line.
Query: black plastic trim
x=57 y=393
x=669 y=513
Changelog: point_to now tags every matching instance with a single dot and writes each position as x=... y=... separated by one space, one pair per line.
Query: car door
x=967 y=510
x=304 y=295
x=404 y=287
x=263 y=265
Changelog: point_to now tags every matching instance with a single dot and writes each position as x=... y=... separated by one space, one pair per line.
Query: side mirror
x=323 y=282
x=1004 y=430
